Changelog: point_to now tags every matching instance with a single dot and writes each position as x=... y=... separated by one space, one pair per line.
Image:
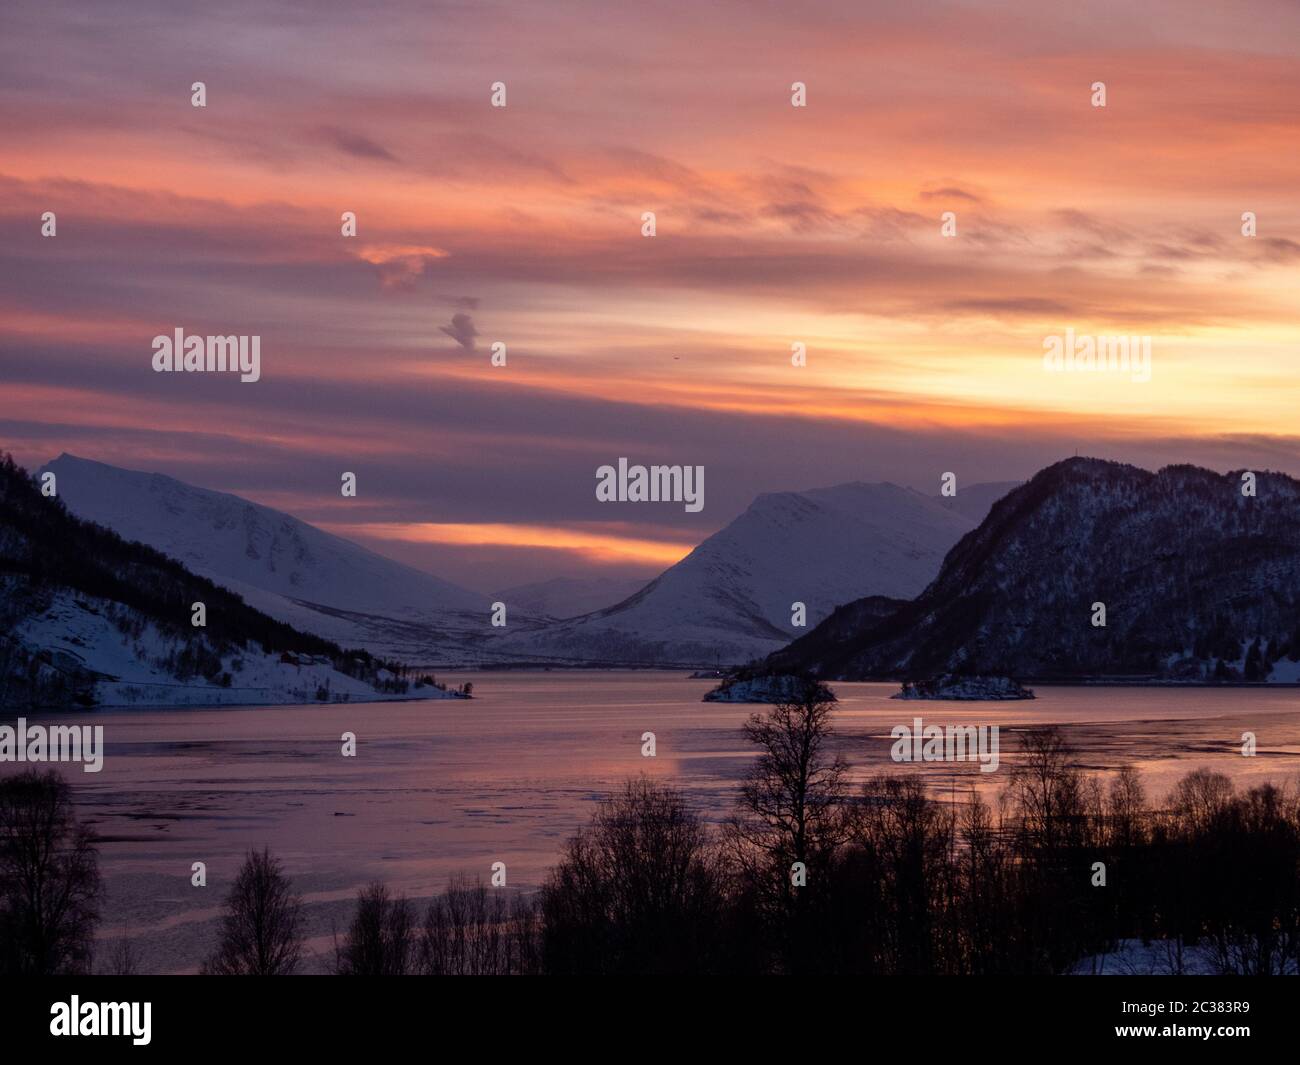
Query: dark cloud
x=461 y=330
x=355 y=144
x=800 y=215
x=1082 y=220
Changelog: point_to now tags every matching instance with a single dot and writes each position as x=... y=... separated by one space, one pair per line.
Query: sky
x=775 y=225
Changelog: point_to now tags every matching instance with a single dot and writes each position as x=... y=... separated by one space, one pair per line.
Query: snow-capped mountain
x=87 y=618
x=1199 y=581
x=283 y=566
x=732 y=598
x=568 y=597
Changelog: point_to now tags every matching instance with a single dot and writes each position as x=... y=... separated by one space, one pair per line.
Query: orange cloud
x=592 y=544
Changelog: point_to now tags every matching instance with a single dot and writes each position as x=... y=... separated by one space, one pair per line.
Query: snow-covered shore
x=128 y=663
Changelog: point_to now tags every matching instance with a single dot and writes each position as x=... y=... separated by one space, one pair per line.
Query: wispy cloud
x=775 y=225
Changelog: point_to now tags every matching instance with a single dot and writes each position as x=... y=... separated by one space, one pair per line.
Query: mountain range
x=1091 y=570
x=729 y=601
x=732 y=598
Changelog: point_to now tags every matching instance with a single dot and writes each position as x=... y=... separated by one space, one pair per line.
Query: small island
x=770 y=688
x=966 y=688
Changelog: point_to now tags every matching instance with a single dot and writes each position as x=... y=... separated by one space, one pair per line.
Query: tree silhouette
x=49 y=879
x=260 y=933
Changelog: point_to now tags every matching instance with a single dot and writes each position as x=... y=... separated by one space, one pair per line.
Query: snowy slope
x=291 y=570
x=87 y=618
x=80 y=633
x=730 y=599
x=568 y=597
x=727 y=602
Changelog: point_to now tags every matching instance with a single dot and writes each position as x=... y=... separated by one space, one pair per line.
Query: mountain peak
x=793 y=553
x=284 y=566
x=1188 y=569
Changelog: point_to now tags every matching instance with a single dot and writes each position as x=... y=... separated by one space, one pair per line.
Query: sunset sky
x=775 y=225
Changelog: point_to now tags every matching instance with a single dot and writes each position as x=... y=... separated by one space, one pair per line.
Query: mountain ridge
x=1195 y=578
x=88 y=617
x=729 y=601
x=284 y=566
x=731 y=598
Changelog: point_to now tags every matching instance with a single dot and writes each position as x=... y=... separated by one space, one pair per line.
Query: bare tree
x=380 y=939
x=1048 y=794
x=1126 y=808
x=637 y=891
x=261 y=930
x=124 y=956
x=791 y=821
x=1199 y=797
x=983 y=889
x=1254 y=840
x=473 y=930
x=792 y=803
x=49 y=879
x=910 y=839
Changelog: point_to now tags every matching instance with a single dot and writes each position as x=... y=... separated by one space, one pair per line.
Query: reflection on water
x=452 y=786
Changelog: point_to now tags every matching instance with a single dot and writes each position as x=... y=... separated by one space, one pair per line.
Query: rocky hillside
x=1199 y=583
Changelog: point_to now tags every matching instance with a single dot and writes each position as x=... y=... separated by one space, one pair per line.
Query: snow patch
x=773 y=688
x=80 y=632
